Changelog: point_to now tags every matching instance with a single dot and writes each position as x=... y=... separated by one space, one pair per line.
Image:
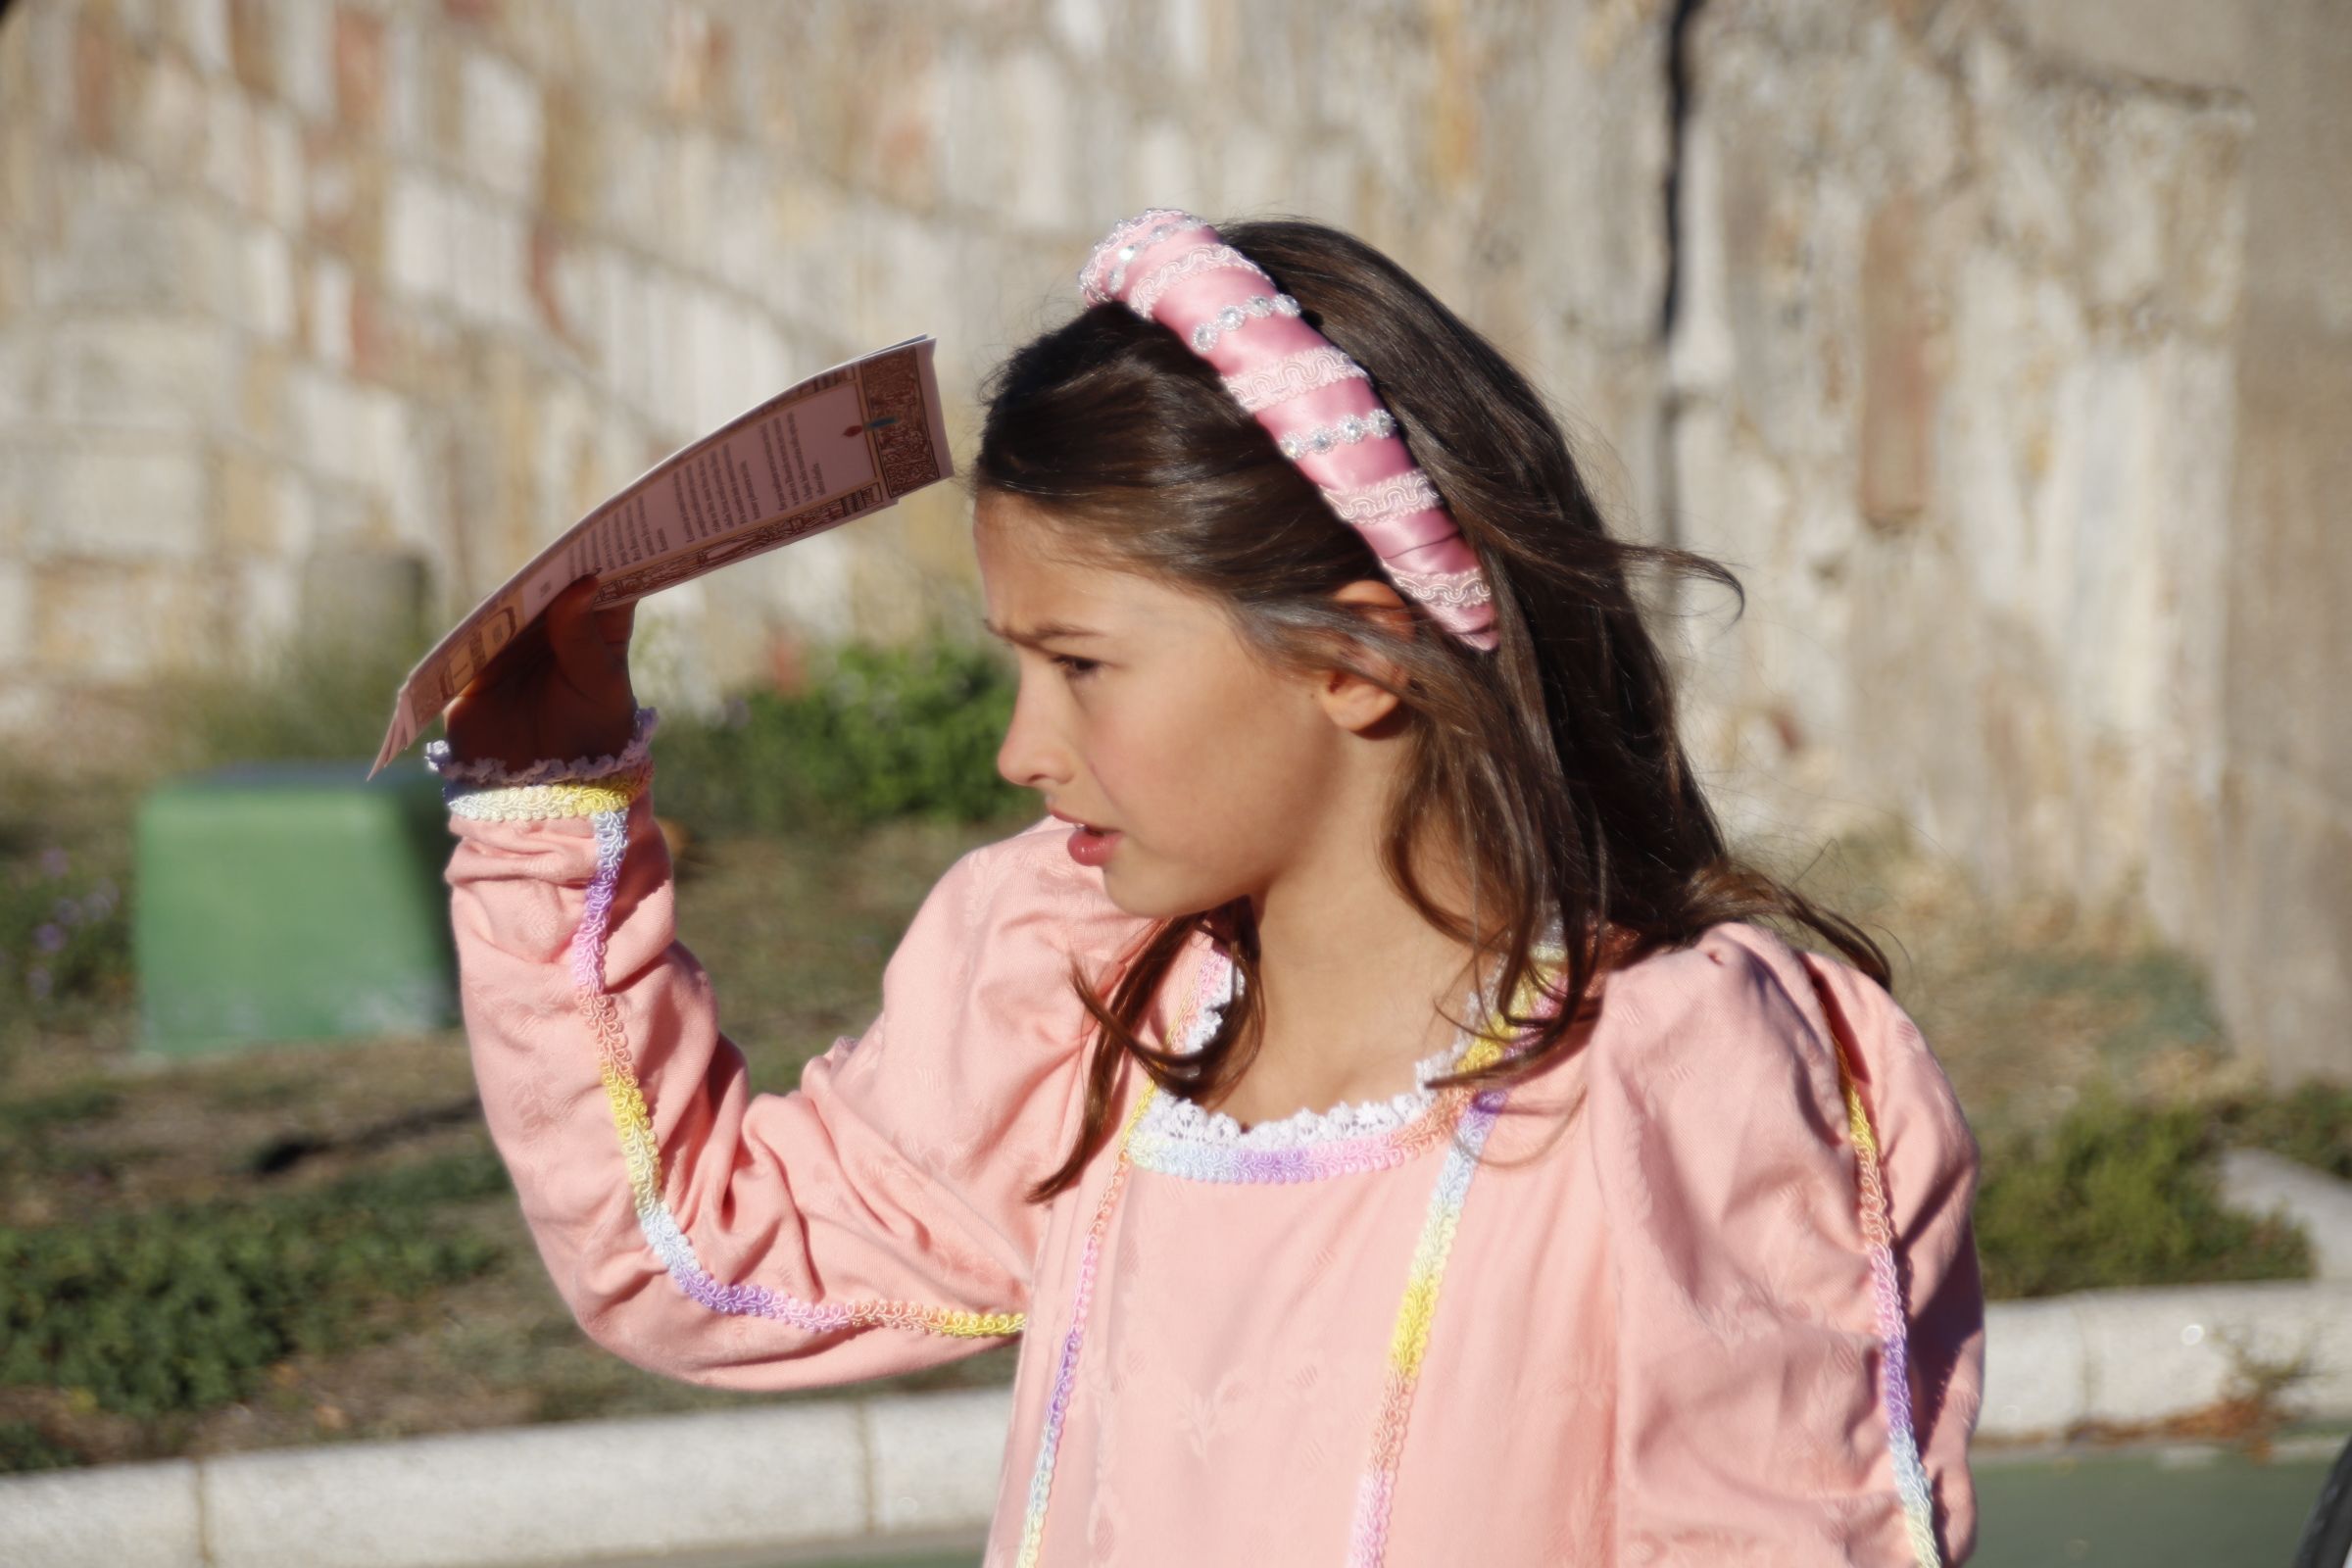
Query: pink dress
x=1435 y=1330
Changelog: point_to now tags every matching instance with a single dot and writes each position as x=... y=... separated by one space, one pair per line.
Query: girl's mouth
x=1091 y=846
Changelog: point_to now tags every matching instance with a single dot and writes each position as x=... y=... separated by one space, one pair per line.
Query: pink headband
x=1317 y=403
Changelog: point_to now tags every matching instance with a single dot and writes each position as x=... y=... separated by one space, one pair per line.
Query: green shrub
x=880 y=733
x=2121 y=1194
x=185 y=1307
x=2312 y=1124
x=25 y=1448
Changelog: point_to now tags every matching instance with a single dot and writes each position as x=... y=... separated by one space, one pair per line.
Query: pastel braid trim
x=533 y=803
x=641 y=1152
x=1409 y=1340
x=1065 y=1369
x=1894 y=1363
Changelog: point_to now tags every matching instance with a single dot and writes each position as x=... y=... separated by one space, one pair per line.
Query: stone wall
x=2282 y=965
x=1955 y=375
x=1996 y=345
x=2010 y=361
x=295 y=293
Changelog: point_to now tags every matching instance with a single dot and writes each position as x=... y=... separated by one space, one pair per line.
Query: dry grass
x=2030 y=1003
x=795 y=935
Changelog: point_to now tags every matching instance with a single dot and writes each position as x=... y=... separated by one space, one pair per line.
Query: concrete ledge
x=936 y=1458
x=546 y=1495
x=2131 y=1357
x=2255 y=1181
x=104 y=1518
x=917 y=1468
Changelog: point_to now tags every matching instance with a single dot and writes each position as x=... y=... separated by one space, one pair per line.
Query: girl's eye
x=1077 y=667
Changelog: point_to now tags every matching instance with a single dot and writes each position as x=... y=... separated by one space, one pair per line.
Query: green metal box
x=291 y=900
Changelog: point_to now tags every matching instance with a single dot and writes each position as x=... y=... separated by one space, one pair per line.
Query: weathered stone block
x=1898 y=401
x=252 y=44
x=2192 y=42
x=123 y=622
x=372 y=598
x=504 y=125
x=1035 y=122
x=326 y=311
x=140 y=371
x=202 y=27
x=302 y=36
x=122 y=500
x=126 y=247
x=359 y=68
x=266 y=293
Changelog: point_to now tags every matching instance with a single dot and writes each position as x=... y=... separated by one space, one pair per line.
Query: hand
x=560 y=689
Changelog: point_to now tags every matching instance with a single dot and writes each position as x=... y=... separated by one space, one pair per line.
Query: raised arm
x=871 y=1221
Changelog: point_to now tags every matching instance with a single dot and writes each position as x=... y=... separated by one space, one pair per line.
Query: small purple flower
x=65 y=911
x=49 y=938
x=54 y=862
x=36 y=981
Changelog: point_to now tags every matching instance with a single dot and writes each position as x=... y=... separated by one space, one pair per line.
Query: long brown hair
x=1553 y=762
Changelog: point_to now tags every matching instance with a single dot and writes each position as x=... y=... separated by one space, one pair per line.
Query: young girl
x=1372 y=1095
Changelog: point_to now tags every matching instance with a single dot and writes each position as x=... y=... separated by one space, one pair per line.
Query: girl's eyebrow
x=1044 y=631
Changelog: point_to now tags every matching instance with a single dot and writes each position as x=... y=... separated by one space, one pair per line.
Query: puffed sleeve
x=871 y=1221
x=1763 y=1291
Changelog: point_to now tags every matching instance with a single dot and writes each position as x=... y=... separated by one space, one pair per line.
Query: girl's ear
x=1352 y=701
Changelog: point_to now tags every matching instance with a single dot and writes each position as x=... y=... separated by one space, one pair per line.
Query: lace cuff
x=485 y=790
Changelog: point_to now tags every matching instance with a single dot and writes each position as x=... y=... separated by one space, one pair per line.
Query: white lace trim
x=1176 y=1117
x=488 y=774
x=1451 y=590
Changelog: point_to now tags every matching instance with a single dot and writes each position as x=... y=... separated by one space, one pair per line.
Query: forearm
x=692 y=1226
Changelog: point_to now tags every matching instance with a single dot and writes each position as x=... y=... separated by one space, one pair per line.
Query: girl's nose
x=1031 y=757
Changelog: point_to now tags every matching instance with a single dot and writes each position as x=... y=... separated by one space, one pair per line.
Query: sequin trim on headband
x=1350 y=432
x=1130 y=238
x=1232 y=318
x=1204 y=290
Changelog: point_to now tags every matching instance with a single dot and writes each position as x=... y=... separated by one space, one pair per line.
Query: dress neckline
x=1348 y=1119
x=1178 y=1137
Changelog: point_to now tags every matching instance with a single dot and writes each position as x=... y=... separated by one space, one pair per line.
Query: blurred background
x=2004 y=350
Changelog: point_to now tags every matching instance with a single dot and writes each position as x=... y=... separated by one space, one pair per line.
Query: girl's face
x=1140 y=712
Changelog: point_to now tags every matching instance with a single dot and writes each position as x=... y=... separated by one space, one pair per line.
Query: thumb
x=571 y=632
x=616 y=625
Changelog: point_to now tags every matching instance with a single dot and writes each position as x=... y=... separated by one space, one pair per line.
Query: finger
x=526 y=647
x=573 y=632
x=616 y=625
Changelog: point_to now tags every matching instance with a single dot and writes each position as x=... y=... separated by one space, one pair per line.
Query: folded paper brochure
x=840 y=445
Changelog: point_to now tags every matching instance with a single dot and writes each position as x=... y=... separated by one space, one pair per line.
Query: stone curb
x=2255 y=1181
x=2131 y=1356
x=914 y=1466
x=810 y=1473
